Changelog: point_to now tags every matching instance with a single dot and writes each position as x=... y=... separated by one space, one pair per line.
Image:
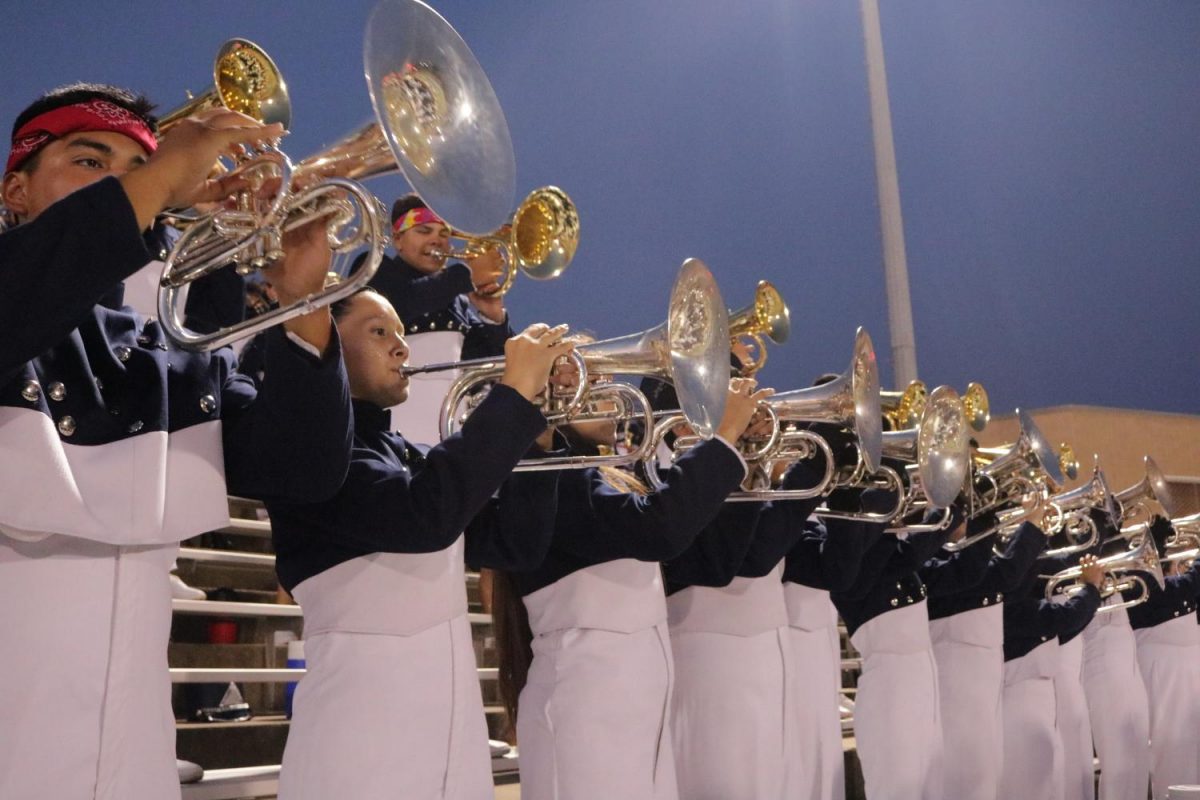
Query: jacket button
x=895 y=602
x=31 y=391
x=207 y=404
x=999 y=597
x=985 y=601
x=122 y=353
x=56 y=391
x=66 y=425
x=134 y=427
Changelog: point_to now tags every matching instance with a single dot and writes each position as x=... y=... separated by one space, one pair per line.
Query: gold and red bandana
x=416 y=216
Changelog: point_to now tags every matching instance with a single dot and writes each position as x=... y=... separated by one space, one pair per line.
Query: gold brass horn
x=1149 y=495
x=540 y=242
x=976 y=406
x=1123 y=571
x=437 y=121
x=767 y=316
x=246 y=80
x=903 y=410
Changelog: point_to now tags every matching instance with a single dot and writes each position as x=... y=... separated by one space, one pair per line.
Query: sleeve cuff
x=742 y=461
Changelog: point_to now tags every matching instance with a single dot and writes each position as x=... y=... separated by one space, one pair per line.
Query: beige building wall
x=1121 y=438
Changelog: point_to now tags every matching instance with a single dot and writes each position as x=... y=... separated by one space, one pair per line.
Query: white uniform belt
x=1182 y=631
x=746 y=607
x=905 y=630
x=981 y=627
x=809 y=609
x=385 y=593
x=1040 y=662
x=624 y=596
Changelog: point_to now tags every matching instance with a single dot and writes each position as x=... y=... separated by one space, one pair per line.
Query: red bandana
x=92 y=115
x=416 y=216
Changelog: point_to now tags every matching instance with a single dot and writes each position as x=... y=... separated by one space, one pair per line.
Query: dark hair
x=342 y=307
x=514 y=642
x=406 y=204
x=74 y=93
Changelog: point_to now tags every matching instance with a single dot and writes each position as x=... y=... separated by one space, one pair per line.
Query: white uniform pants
x=85 y=695
x=1074 y=724
x=1169 y=657
x=1033 y=750
x=593 y=721
x=1117 y=705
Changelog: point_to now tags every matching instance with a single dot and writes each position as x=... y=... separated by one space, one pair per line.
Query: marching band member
x=727 y=618
x=593 y=713
x=1117 y=701
x=448 y=310
x=1033 y=748
x=825 y=559
x=390 y=705
x=114 y=445
x=1073 y=720
x=1168 y=648
x=967 y=629
x=815 y=761
x=898 y=733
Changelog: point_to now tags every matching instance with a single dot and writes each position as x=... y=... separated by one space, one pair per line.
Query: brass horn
x=1151 y=491
x=976 y=406
x=540 y=242
x=690 y=350
x=903 y=409
x=1074 y=508
x=850 y=401
x=1028 y=460
x=937 y=449
x=1130 y=565
x=437 y=121
x=767 y=316
x=246 y=80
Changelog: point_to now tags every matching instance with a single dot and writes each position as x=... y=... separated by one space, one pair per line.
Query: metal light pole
x=895 y=265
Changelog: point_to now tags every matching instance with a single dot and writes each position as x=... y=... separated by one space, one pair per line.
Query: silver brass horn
x=437 y=121
x=1028 y=460
x=690 y=350
x=1074 y=509
x=1129 y=565
x=1152 y=489
x=938 y=449
x=850 y=401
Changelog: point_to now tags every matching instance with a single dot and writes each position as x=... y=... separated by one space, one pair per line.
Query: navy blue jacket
x=397 y=499
x=102 y=373
x=1030 y=619
x=1178 y=598
x=999 y=574
x=438 y=302
x=887 y=576
x=597 y=523
x=746 y=539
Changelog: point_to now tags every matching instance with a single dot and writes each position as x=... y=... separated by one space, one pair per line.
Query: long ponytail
x=514 y=642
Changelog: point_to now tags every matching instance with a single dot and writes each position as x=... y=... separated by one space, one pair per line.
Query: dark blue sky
x=1049 y=156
